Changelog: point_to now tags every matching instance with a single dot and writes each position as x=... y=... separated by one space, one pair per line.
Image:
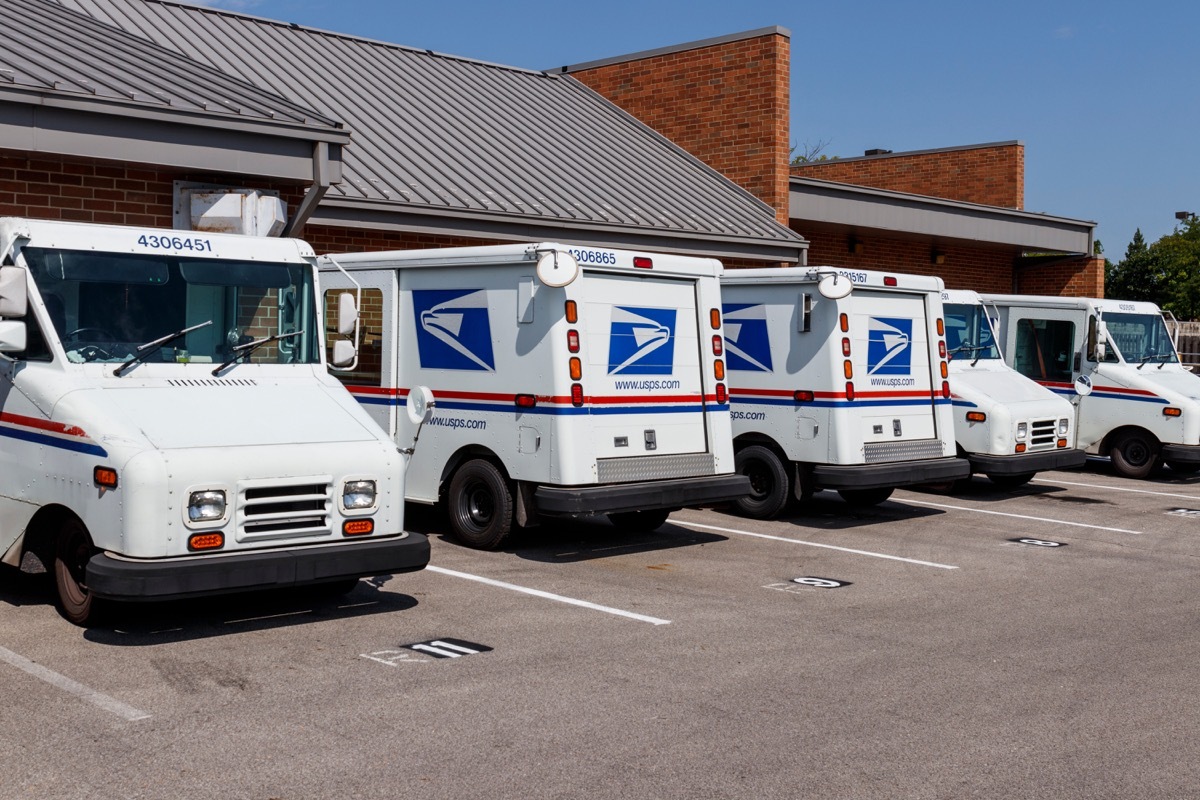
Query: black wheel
x=480 y=505
x=769 y=486
x=640 y=521
x=1134 y=454
x=1011 y=481
x=72 y=550
x=865 y=497
x=1184 y=467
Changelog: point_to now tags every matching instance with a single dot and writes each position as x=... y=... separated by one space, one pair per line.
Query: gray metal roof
x=443 y=143
x=900 y=213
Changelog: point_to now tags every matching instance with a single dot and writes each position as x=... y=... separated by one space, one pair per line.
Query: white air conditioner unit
x=219 y=209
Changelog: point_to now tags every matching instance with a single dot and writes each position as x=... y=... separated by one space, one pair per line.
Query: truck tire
x=769 y=487
x=1134 y=454
x=480 y=505
x=72 y=549
x=1011 y=481
x=640 y=521
x=866 y=497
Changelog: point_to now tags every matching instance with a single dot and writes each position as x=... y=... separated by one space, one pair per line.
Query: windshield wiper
x=249 y=347
x=148 y=349
x=1153 y=357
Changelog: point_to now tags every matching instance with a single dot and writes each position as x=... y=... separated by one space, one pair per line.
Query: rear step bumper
x=898 y=473
x=645 y=496
x=1024 y=463
x=220 y=573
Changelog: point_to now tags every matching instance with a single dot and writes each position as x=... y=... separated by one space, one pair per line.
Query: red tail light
x=845 y=347
x=641 y=262
x=718 y=345
x=573 y=340
x=576 y=394
x=889 y=281
x=945 y=390
x=942 y=349
x=722 y=395
x=849 y=391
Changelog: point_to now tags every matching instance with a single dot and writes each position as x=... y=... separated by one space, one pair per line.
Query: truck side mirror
x=12 y=336
x=343 y=353
x=1083 y=386
x=14 y=297
x=347 y=314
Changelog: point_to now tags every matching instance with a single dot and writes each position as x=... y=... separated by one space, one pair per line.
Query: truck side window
x=369 y=371
x=1045 y=349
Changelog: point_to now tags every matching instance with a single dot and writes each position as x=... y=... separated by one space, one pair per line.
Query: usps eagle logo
x=641 y=341
x=889 y=346
x=453 y=329
x=747 y=345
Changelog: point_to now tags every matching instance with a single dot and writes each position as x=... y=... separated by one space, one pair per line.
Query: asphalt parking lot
x=981 y=644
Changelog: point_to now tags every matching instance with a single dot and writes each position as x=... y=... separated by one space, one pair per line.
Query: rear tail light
x=206 y=541
x=576 y=368
x=945 y=390
x=848 y=369
x=719 y=369
x=945 y=370
x=844 y=323
x=941 y=327
x=641 y=262
x=888 y=280
x=845 y=346
x=803 y=396
x=941 y=348
x=572 y=312
x=718 y=345
x=576 y=394
x=849 y=391
x=526 y=400
x=358 y=527
x=573 y=340
x=722 y=395
x=714 y=318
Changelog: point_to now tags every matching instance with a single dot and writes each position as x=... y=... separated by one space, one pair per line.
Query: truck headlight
x=1064 y=425
x=1022 y=431
x=206 y=506
x=358 y=494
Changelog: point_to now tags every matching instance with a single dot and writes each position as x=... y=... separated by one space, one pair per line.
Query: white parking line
x=1118 y=489
x=549 y=596
x=1018 y=516
x=813 y=544
x=78 y=689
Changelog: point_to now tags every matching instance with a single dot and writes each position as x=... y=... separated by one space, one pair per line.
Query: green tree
x=1138 y=276
x=1178 y=253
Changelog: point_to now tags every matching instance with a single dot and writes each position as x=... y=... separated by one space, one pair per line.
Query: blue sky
x=1104 y=95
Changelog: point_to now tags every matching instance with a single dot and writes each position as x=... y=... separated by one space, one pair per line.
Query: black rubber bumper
x=879 y=476
x=192 y=576
x=1024 y=463
x=612 y=498
x=1183 y=453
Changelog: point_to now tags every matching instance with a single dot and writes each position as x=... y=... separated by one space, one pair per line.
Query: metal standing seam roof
x=71 y=59
x=452 y=137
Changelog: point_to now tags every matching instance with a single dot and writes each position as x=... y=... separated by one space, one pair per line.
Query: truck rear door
x=893 y=374
x=643 y=374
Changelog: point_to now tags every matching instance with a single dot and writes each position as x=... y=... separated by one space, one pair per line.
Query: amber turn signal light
x=357 y=527
x=206 y=541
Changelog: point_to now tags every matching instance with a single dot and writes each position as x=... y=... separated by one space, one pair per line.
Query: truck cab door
x=1048 y=346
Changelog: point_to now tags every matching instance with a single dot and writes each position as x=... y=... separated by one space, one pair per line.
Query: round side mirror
x=556 y=268
x=420 y=404
x=834 y=286
x=1083 y=386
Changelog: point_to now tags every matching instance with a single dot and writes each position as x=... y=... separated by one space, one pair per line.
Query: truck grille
x=1042 y=434
x=277 y=510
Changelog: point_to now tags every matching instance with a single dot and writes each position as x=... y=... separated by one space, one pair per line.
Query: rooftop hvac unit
x=251 y=212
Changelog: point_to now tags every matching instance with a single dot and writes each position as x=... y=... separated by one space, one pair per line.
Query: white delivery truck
x=569 y=380
x=1006 y=425
x=168 y=427
x=1137 y=403
x=838 y=380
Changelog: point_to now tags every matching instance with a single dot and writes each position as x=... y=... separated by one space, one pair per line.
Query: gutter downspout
x=315 y=193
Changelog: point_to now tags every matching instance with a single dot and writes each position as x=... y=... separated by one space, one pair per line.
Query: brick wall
x=991 y=174
x=727 y=104
x=80 y=191
x=1081 y=277
x=963 y=268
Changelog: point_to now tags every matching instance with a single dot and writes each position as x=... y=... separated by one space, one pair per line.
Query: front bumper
x=646 y=496
x=1183 y=453
x=880 y=476
x=1024 y=463
x=120 y=578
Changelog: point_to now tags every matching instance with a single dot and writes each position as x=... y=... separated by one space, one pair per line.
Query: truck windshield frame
x=103 y=306
x=969 y=333
x=1140 y=338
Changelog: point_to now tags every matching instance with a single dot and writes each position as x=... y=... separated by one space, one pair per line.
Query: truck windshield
x=968 y=334
x=1141 y=338
x=104 y=305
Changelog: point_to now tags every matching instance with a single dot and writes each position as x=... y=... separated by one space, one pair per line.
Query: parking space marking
x=813 y=544
x=1018 y=516
x=549 y=596
x=1118 y=489
x=110 y=704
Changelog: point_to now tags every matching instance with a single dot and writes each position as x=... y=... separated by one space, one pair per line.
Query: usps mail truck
x=168 y=427
x=838 y=380
x=569 y=380
x=1006 y=425
x=1136 y=403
